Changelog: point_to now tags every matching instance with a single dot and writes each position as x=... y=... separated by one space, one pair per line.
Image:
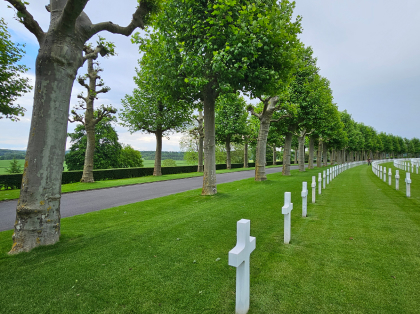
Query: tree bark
x=287 y=152
x=274 y=155
x=87 y=175
x=200 y=141
x=246 y=153
x=157 y=170
x=38 y=210
x=228 y=160
x=301 y=141
x=319 y=156
x=296 y=156
x=209 y=175
x=325 y=154
x=332 y=157
x=260 y=156
x=311 y=153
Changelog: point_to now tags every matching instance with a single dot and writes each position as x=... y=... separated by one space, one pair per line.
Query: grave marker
x=328 y=176
x=323 y=179
x=313 y=189
x=389 y=176
x=319 y=183
x=304 y=195
x=286 y=210
x=397 y=180
x=384 y=174
x=407 y=184
x=239 y=258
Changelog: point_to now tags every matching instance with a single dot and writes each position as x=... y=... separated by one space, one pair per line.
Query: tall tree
x=12 y=84
x=230 y=121
x=59 y=57
x=229 y=46
x=89 y=120
x=156 y=106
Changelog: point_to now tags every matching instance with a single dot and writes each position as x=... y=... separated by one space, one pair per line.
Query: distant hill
x=9 y=154
x=150 y=155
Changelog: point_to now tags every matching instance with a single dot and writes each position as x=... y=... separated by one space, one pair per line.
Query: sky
x=368 y=49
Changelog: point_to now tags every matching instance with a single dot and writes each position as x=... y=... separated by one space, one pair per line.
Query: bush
x=169 y=163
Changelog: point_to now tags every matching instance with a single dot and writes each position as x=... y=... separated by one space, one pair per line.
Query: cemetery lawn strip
x=356 y=252
x=75 y=187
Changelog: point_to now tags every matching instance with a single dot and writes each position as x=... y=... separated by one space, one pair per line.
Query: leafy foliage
x=12 y=84
x=130 y=157
x=107 y=148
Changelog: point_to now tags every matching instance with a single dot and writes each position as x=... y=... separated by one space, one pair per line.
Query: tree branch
x=137 y=21
x=82 y=82
x=251 y=110
x=94 y=55
x=104 y=90
x=76 y=117
x=281 y=118
x=28 y=20
x=71 y=12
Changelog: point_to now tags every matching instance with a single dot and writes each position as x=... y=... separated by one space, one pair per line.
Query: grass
x=356 y=252
x=74 y=187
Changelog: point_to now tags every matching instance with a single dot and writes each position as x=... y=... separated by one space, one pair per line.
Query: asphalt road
x=88 y=201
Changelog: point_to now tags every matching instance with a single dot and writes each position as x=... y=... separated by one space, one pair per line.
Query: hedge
x=13 y=181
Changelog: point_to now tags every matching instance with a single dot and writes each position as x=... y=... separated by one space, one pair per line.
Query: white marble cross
x=380 y=172
x=328 y=176
x=389 y=176
x=239 y=258
x=397 y=180
x=417 y=168
x=412 y=167
x=313 y=185
x=304 y=195
x=384 y=174
x=331 y=173
x=407 y=184
x=286 y=210
x=323 y=179
x=319 y=183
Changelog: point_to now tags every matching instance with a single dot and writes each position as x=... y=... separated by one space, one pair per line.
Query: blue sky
x=367 y=49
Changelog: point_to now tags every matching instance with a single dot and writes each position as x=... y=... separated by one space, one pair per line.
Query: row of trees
x=197 y=56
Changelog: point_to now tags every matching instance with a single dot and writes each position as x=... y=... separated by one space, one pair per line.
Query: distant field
x=151 y=163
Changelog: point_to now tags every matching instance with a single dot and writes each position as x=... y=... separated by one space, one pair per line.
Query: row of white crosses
x=239 y=256
x=405 y=165
x=380 y=171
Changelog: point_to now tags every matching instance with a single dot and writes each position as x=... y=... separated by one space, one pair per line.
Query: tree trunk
x=325 y=154
x=319 y=156
x=87 y=176
x=246 y=153
x=301 y=140
x=311 y=153
x=296 y=156
x=90 y=151
x=38 y=210
x=228 y=160
x=287 y=152
x=157 y=171
x=274 y=155
x=200 y=142
x=260 y=155
x=209 y=175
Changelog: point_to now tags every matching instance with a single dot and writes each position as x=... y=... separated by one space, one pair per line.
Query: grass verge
x=356 y=252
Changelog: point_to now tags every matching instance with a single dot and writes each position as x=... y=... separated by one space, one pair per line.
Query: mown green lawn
x=356 y=252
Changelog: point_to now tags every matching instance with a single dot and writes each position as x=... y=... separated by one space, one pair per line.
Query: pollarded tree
x=156 y=106
x=90 y=120
x=12 y=84
x=107 y=148
x=230 y=121
x=229 y=46
x=59 y=57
